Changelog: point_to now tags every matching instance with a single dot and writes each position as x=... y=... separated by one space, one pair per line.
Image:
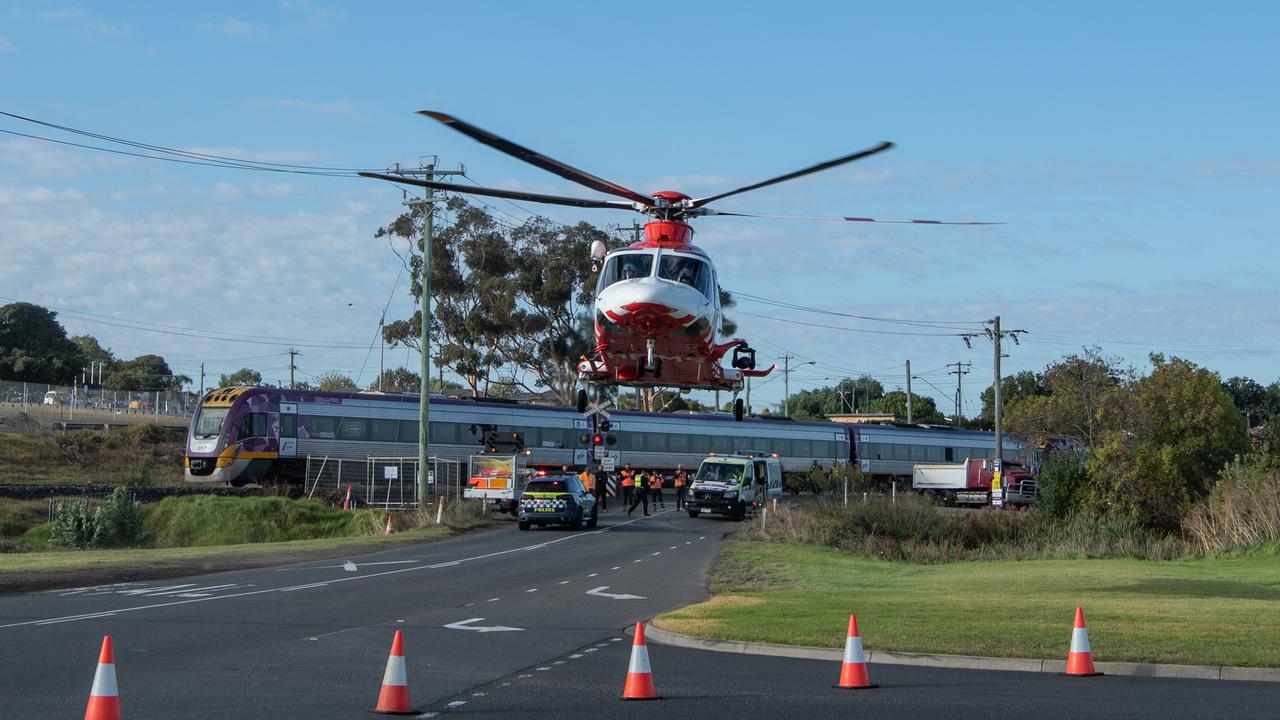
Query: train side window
x=288 y=425
x=253 y=425
x=352 y=429
x=800 y=449
x=678 y=442
x=901 y=452
x=384 y=430
x=950 y=454
x=933 y=453
x=409 y=431
x=320 y=427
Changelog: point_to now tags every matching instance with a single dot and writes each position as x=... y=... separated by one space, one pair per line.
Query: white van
x=51 y=398
x=735 y=484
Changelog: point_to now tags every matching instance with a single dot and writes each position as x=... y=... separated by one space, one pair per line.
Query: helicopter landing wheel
x=738 y=409
x=648 y=346
x=582 y=401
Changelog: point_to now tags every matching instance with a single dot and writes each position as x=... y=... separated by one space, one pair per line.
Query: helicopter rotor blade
x=537 y=159
x=798 y=173
x=508 y=194
x=851 y=219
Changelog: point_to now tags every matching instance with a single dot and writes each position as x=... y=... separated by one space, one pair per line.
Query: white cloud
x=66 y=13
x=39 y=159
x=236 y=28
x=335 y=107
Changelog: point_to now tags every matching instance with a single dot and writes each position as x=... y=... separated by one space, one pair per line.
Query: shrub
x=72 y=525
x=1062 y=484
x=120 y=522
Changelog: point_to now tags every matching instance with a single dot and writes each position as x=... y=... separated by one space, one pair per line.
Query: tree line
x=35 y=348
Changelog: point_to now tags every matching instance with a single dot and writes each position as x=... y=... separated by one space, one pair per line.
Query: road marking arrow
x=466 y=625
x=600 y=592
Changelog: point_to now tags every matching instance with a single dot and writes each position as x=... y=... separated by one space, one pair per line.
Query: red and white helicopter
x=657 y=303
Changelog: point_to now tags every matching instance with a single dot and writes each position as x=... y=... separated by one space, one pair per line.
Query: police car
x=557 y=500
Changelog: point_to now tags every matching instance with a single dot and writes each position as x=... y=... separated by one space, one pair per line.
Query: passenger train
x=254 y=434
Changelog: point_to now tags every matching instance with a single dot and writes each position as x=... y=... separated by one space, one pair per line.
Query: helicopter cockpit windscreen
x=626 y=266
x=690 y=271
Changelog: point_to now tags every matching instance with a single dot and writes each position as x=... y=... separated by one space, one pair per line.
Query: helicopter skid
x=674 y=372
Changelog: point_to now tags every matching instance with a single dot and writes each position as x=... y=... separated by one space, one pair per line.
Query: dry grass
x=1242 y=511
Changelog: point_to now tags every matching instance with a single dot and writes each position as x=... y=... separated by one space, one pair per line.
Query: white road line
x=688 y=542
x=479 y=694
x=558 y=662
x=457 y=703
x=544 y=668
x=370 y=576
x=616 y=567
x=182 y=593
x=151 y=590
x=531 y=590
x=575 y=656
x=563 y=582
x=493 y=599
x=673 y=547
x=656 y=554
x=589 y=650
x=593 y=574
x=344 y=566
x=615 y=639
x=600 y=645
x=638 y=560
x=521 y=677
x=704 y=537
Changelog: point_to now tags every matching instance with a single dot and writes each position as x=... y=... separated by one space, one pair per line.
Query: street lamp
x=382 y=351
x=954 y=420
x=786 y=384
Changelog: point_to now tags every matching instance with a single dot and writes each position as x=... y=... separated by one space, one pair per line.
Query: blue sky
x=1132 y=151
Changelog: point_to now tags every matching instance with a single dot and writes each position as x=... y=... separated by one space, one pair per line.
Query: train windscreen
x=209 y=422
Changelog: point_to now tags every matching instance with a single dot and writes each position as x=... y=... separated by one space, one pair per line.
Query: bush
x=1062 y=484
x=912 y=529
x=118 y=523
x=209 y=520
x=72 y=525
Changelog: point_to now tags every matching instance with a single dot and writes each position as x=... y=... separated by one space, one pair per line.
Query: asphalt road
x=311 y=641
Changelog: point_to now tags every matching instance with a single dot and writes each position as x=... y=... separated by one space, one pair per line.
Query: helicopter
x=657 y=301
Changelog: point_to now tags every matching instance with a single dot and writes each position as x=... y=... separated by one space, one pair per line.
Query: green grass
x=212 y=520
x=1206 y=611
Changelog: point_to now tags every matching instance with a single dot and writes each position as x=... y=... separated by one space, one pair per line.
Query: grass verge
x=1205 y=611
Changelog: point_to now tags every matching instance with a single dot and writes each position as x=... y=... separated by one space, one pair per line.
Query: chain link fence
x=92 y=403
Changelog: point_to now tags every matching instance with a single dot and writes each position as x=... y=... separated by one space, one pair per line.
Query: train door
x=288 y=441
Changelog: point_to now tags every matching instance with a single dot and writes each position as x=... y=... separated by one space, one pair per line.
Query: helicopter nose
x=651 y=304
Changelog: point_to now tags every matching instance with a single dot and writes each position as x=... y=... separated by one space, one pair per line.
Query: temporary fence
x=385 y=482
x=72 y=402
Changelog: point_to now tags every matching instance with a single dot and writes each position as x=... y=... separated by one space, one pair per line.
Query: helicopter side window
x=626 y=267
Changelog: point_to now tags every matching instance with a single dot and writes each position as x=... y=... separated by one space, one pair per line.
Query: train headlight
x=224 y=462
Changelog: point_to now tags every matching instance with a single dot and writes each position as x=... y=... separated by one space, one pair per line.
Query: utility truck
x=969 y=482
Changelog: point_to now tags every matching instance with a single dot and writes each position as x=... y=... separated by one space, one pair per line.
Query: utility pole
x=429 y=173
x=201 y=381
x=786 y=381
x=292 y=366
x=908 y=392
x=995 y=335
x=961 y=369
x=635 y=230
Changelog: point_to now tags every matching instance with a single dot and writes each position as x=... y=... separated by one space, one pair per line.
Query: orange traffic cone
x=104 y=698
x=639 y=675
x=1080 y=657
x=346 y=503
x=853 y=671
x=394 y=698
x=388 y=530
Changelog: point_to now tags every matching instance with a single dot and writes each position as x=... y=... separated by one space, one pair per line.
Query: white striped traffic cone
x=388 y=530
x=853 y=671
x=394 y=698
x=1080 y=657
x=639 y=675
x=104 y=697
